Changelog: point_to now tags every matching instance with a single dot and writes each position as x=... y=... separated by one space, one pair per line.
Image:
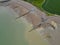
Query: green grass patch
x=37 y=3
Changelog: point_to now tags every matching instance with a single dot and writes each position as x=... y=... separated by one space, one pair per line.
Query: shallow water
x=12 y=31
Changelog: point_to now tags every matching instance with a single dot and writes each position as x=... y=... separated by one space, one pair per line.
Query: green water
x=52 y=6
x=11 y=31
